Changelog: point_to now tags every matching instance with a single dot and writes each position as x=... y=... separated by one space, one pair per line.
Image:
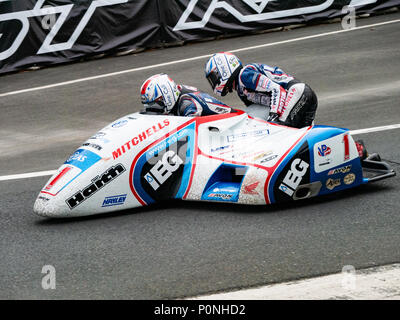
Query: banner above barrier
x=46 y=32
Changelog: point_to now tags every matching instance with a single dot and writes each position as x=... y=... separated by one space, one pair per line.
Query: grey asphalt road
x=181 y=249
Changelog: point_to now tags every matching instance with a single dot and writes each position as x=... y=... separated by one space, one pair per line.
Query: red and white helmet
x=160 y=93
x=221 y=69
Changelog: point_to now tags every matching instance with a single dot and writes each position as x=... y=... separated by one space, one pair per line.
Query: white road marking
x=380 y=283
x=51 y=172
x=27 y=175
x=112 y=74
x=376 y=129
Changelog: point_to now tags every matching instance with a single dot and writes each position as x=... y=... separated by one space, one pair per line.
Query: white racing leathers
x=291 y=102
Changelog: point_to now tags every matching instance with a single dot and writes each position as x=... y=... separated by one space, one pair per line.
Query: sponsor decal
x=290 y=96
x=250 y=189
x=245 y=135
x=294 y=176
x=62 y=11
x=300 y=104
x=139 y=138
x=119 y=124
x=264 y=83
x=293 y=172
x=163 y=169
x=222 y=68
x=220 y=109
x=114 y=201
x=325 y=163
x=349 y=178
x=261 y=154
x=269 y=158
x=221 y=148
x=334 y=152
x=274 y=97
x=99 y=182
x=100 y=136
x=286 y=189
x=344 y=169
x=92 y=145
x=77 y=156
x=246 y=154
x=324 y=150
x=333 y=183
x=225 y=193
x=223 y=196
x=83 y=159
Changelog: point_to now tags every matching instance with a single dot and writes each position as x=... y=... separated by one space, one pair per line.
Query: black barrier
x=46 y=32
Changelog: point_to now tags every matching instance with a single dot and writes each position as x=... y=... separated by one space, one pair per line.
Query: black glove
x=273 y=117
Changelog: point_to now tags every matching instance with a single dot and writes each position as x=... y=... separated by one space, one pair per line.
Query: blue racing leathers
x=291 y=102
x=192 y=103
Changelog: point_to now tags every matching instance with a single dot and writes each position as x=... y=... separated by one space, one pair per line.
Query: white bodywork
x=111 y=155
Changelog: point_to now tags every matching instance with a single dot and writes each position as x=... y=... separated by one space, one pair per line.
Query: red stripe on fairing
x=52 y=194
x=266 y=186
x=58 y=177
x=54 y=181
x=144 y=87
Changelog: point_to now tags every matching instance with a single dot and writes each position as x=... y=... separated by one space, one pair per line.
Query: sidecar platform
x=374 y=169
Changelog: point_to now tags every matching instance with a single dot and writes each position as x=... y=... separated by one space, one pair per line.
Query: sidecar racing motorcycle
x=141 y=159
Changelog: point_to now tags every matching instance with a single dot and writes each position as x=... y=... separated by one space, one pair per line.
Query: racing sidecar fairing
x=141 y=159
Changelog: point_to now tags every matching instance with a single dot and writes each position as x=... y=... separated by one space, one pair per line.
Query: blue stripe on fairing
x=188 y=161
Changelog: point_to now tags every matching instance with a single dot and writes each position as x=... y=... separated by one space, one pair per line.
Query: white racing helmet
x=159 y=93
x=221 y=70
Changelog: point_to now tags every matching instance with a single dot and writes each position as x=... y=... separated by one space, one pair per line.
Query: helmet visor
x=156 y=106
x=213 y=78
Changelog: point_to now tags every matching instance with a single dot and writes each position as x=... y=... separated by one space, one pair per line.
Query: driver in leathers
x=291 y=102
x=161 y=95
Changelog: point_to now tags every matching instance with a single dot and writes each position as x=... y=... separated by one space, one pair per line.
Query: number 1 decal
x=346 y=147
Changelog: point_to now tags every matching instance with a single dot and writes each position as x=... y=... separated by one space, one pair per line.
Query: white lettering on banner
x=39 y=10
x=258 y=6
